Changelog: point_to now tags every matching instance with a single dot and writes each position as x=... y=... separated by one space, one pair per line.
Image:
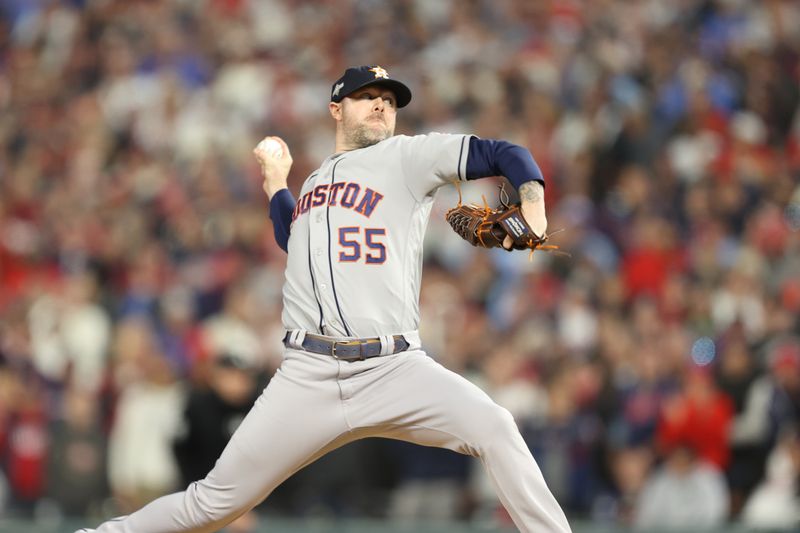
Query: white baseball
x=271 y=147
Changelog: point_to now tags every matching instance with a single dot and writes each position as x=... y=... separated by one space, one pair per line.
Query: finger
x=508 y=242
x=283 y=146
x=262 y=155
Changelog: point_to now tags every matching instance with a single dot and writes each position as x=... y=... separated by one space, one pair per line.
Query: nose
x=377 y=103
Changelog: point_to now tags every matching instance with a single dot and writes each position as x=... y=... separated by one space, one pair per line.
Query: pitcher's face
x=368 y=116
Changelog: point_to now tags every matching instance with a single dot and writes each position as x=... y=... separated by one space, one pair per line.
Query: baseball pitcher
x=353 y=365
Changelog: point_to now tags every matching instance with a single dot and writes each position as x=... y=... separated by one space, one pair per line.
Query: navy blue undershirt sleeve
x=281 y=207
x=489 y=157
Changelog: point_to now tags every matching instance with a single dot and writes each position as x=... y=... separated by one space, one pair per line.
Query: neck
x=341 y=144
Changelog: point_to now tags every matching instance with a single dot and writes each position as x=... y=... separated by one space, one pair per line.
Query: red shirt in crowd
x=700 y=418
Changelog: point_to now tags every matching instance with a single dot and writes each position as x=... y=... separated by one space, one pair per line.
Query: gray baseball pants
x=315 y=404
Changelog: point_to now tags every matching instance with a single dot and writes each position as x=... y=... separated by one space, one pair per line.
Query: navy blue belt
x=350 y=350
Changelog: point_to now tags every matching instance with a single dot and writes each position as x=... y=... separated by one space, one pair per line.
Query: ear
x=336 y=110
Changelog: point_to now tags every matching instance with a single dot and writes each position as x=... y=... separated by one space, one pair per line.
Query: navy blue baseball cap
x=355 y=78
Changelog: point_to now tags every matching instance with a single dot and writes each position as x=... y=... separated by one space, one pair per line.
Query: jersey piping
x=314 y=287
x=330 y=256
x=314 y=281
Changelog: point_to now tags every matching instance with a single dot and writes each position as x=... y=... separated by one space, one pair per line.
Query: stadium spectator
x=774 y=503
x=686 y=492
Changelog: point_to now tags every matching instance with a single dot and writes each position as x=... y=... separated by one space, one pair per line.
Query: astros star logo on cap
x=355 y=78
x=379 y=71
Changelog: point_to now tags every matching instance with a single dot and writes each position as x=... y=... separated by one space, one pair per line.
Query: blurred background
x=655 y=373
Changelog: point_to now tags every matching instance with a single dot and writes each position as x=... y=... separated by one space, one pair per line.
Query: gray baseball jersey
x=355 y=250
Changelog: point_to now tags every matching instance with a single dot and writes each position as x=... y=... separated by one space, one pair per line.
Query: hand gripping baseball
x=489 y=228
x=275 y=160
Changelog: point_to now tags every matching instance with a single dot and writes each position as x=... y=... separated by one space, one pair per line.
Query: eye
x=389 y=100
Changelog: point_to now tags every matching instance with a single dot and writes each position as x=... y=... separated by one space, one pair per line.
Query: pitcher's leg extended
x=297 y=419
x=423 y=402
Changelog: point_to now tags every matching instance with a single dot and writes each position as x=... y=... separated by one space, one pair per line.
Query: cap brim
x=401 y=92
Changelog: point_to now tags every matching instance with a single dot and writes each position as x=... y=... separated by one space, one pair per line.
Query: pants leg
x=418 y=400
x=297 y=419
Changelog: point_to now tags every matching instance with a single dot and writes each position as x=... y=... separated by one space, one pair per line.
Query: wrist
x=272 y=187
x=535 y=216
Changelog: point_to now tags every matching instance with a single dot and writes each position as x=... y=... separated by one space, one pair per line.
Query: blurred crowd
x=654 y=372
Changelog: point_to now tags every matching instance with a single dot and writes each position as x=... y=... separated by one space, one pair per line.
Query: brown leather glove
x=487 y=228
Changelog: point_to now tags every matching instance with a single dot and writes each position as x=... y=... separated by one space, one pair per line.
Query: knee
x=211 y=504
x=493 y=425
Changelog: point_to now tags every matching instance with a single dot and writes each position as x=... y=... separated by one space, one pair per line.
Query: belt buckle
x=360 y=356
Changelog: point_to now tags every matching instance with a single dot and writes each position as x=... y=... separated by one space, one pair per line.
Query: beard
x=366 y=133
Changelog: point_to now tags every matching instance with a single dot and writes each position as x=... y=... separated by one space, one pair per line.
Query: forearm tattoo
x=531 y=191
